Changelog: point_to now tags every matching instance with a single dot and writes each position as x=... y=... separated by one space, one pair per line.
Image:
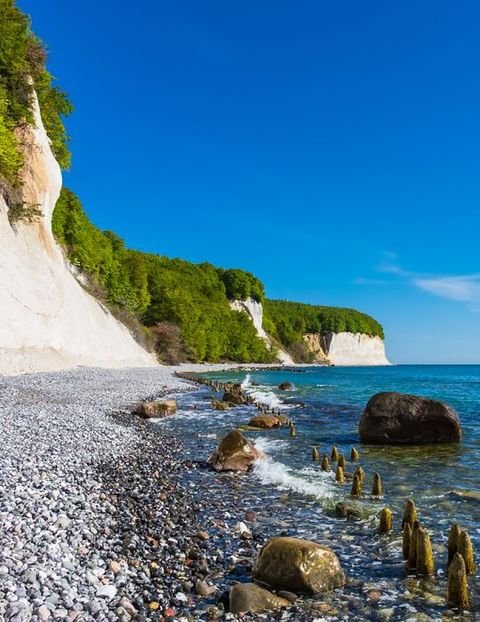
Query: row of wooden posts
x=416 y=544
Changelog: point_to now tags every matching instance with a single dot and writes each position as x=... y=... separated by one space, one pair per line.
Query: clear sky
x=332 y=148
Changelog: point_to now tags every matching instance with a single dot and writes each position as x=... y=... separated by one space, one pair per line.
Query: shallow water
x=294 y=496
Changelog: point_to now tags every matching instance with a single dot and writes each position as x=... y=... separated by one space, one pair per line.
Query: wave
x=307 y=481
x=246 y=383
x=264 y=395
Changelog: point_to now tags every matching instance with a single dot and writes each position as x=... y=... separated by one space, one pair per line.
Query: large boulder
x=248 y=597
x=233 y=398
x=157 y=409
x=264 y=421
x=235 y=453
x=285 y=386
x=400 y=418
x=299 y=566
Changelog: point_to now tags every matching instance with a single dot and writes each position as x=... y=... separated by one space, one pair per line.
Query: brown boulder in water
x=157 y=408
x=285 y=386
x=248 y=597
x=398 y=418
x=235 y=453
x=300 y=566
x=233 y=398
x=264 y=421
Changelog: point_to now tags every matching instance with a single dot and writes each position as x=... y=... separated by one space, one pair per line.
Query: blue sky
x=333 y=148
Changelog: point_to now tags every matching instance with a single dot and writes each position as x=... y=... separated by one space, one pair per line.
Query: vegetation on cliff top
x=289 y=321
x=23 y=71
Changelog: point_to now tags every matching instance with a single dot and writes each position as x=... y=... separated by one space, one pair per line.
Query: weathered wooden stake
x=361 y=473
x=386 y=521
x=452 y=545
x=465 y=548
x=377 y=489
x=409 y=513
x=407 y=537
x=457 y=583
x=425 y=562
x=356 y=486
x=339 y=476
x=354 y=455
x=412 y=552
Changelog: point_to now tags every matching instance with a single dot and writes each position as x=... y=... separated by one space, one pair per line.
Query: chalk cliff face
x=47 y=320
x=347 y=349
x=254 y=310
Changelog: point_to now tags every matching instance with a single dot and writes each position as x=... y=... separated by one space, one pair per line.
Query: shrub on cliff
x=22 y=70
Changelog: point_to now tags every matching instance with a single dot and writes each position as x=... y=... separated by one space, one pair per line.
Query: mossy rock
x=233 y=398
x=156 y=409
x=235 y=453
x=266 y=422
x=299 y=566
x=249 y=597
x=350 y=511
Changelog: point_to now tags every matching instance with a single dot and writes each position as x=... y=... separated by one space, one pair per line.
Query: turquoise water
x=326 y=405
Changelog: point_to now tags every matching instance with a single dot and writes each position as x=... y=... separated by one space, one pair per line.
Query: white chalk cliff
x=347 y=349
x=254 y=310
x=328 y=349
x=47 y=320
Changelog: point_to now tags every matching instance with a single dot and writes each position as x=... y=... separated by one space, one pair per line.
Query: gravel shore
x=89 y=499
x=100 y=515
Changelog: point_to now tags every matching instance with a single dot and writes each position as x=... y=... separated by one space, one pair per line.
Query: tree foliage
x=240 y=285
x=23 y=71
x=289 y=321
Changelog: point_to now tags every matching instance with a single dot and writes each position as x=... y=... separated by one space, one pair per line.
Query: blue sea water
x=326 y=404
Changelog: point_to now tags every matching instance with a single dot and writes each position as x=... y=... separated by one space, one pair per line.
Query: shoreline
x=98 y=521
x=104 y=514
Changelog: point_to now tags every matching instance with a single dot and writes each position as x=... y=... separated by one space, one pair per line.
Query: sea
x=293 y=496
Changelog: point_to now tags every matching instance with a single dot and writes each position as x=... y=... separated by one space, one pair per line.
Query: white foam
x=268 y=398
x=269 y=471
x=247 y=382
x=308 y=481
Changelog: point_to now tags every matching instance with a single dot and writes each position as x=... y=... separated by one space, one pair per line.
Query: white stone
x=107 y=591
x=43 y=613
x=241 y=528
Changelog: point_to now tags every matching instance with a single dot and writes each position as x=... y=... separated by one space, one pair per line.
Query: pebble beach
x=108 y=516
x=94 y=523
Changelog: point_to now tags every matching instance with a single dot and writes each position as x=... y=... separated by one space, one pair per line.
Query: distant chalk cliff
x=342 y=348
x=347 y=349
